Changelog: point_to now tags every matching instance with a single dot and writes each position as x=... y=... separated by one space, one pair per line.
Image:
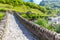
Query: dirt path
x=16 y=31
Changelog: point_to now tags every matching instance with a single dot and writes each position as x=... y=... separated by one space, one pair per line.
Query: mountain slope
x=51 y=3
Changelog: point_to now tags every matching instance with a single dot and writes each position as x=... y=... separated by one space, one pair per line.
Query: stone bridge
x=19 y=28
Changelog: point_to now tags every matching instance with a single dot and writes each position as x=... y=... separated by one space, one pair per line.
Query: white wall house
x=54 y=20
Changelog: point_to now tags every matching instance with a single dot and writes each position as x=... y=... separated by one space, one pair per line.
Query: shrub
x=31 y=15
x=57 y=28
x=3 y=10
x=24 y=15
x=35 y=6
x=1 y=16
x=43 y=9
x=12 y=2
x=43 y=23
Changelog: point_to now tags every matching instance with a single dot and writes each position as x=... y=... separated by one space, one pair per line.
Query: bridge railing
x=3 y=23
x=41 y=33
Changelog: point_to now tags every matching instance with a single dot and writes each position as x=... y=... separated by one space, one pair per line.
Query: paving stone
x=16 y=31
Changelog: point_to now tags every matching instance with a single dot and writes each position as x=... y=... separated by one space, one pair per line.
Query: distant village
x=54 y=20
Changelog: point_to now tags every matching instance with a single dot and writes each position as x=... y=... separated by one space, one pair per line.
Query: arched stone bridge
x=18 y=28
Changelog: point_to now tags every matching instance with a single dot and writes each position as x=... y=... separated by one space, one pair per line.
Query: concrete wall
x=41 y=33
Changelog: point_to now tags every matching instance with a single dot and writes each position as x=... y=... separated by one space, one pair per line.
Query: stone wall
x=41 y=33
x=2 y=27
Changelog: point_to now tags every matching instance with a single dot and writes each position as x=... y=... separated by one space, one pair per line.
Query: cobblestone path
x=16 y=31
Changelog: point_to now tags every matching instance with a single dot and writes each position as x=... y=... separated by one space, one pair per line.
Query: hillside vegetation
x=33 y=12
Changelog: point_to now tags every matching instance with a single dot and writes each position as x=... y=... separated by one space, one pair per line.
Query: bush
x=57 y=28
x=31 y=15
x=43 y=9
x=12 y=2
x=1 y=16
x=35 y=6
x=3 y=10
x=24 y=15
x=43 y=23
